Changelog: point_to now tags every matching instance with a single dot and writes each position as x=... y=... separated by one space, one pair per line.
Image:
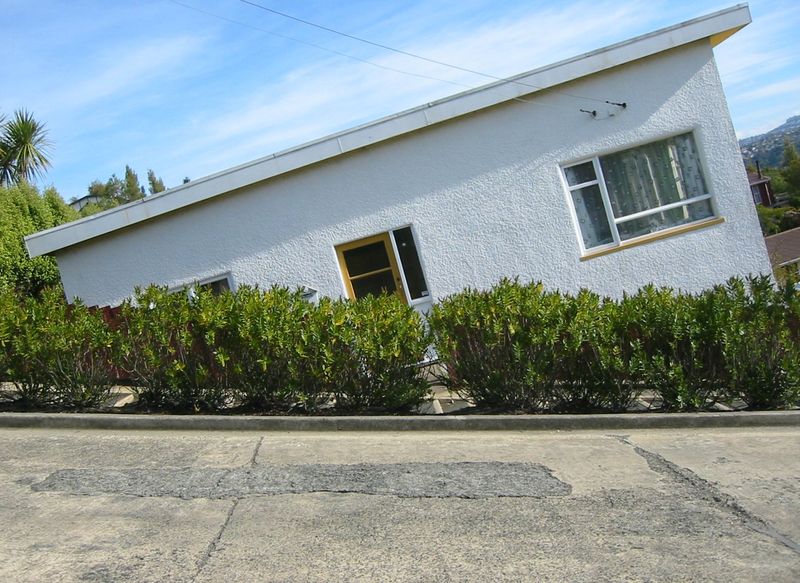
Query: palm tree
x=24 y=148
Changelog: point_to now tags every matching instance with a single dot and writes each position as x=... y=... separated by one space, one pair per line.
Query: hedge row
x=255 y=350
x=513 y=347
x=522 y=347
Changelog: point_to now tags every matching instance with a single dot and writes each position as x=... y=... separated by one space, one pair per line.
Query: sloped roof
x=716 y=27
x=754 y=178
x=784 y=248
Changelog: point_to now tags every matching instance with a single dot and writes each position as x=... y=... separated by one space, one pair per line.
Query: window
x=385 y=263
x=217 y=285
x=757 y=197
x=636 y=192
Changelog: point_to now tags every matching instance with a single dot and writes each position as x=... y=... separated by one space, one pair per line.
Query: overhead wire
x=311 y=44
x=410 y=54
x=353 y=57
x=381 y=66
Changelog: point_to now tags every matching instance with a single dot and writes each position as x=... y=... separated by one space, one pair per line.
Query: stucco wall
x=483 y=194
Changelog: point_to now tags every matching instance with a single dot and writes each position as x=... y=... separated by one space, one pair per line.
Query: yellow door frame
x=385 y=238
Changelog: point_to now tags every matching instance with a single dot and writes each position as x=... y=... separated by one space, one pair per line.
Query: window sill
x=666 y=233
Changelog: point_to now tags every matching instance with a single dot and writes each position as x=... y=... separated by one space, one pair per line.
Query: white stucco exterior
x=483 y=192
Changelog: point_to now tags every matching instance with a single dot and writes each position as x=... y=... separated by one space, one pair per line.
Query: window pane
x=368 y=258
x=217 y=287
x=407 y=249
x=579 y=174
x=664 y=220
x=653 y=175
x=375 y=284
x=592 y=216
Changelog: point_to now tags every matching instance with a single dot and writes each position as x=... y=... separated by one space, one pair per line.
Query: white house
x=610 y=170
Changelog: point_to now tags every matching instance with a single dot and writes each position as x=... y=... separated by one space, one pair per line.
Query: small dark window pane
x=579 y=174
x=407 y=249
x=592 y=218
x=216 y=287
x=368 y=258
x=376 y=284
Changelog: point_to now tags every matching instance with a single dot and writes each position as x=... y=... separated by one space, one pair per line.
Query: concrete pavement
x=640 y=505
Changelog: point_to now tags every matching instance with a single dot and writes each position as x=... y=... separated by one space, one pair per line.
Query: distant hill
x=768 y=148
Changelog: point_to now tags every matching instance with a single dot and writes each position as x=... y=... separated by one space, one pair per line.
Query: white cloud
x=127 y=69
x=789 y=86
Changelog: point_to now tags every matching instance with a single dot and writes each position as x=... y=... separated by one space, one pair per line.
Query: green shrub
x=599 y=364
x=56 y=354
x=23 y=210
x=264 y=329
x=9 y=304
x=679 y=345
x=364 y=353
x=513 y=347
x=170 y=349
x=501 y=347
x=271 y=350
x=760 y=340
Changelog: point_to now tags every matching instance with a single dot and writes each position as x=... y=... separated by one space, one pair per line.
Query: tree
x=791 y=176
x=24 y=148
x=24 y=211
x=789 y=152
x=115 y=191
x=777 y=182
x=156 y=184
x=131 y=189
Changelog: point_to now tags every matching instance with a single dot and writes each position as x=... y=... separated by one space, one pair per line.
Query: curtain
x=653 y=175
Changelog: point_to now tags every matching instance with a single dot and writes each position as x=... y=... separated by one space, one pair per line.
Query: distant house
x=609 y=170
x=79 y=203
x=761 y=189
x=784 y=248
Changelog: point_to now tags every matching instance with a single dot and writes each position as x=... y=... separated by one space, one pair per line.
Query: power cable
x=409 y=54
x=349 y=56
x=314 y=45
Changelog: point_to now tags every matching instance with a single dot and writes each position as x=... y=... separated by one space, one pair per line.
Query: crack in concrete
x=255 y=452
x=212 y=546
x=708 y=492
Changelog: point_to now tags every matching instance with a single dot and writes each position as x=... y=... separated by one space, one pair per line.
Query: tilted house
x=536 y=176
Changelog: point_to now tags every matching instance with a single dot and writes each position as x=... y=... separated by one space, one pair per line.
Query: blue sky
x=155 y=84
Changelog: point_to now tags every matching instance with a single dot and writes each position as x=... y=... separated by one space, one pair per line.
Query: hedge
x=515 y=347
x=521 y=347
x=55 y=354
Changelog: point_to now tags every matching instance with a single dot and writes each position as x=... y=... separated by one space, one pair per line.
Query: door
x=369 y=267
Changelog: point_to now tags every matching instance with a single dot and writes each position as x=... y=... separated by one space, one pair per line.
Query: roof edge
x=716 y=26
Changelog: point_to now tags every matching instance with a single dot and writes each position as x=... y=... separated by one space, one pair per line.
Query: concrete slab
x=760 y=469
x=587 y=460
x=656 y=505
x=49 y=449
x=57 y=537
x=622 y=535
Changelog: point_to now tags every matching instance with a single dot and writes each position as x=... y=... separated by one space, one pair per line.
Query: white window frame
x=190 y=288
x=612 y=220
x=423 y=299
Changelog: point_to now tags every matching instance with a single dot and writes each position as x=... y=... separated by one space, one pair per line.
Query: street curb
x=409 y=423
